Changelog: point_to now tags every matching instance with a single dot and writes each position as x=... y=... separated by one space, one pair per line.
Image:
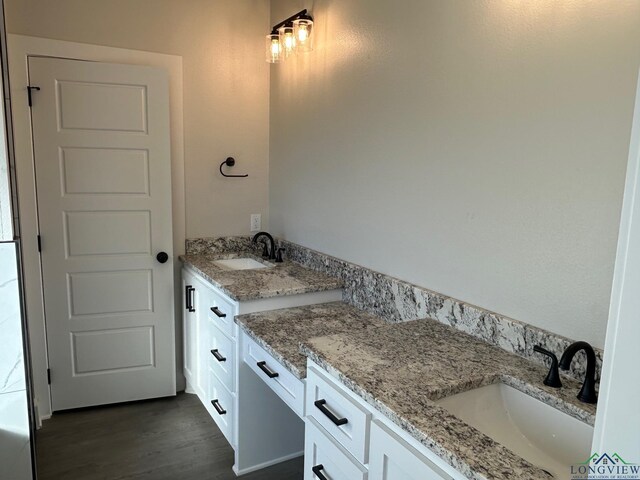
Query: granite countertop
x=286 y=278
x=401 y=369
x=280 y=332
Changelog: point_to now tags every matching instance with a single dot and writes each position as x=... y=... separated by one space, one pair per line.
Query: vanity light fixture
x=287 y=40
x=274 y=50
x=303 y=32
x=293 y=35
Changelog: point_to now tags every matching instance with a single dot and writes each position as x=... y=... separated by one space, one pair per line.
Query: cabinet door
x=390 y=458
x=203 y=336
x=324 y=458
x=189 y=327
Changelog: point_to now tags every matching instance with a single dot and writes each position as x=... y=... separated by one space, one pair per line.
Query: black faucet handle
x=553 y=377
x=279 y=255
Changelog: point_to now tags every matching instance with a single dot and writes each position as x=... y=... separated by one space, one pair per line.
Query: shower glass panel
x=16 y=424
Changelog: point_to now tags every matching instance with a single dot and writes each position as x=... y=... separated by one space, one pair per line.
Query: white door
x=101 y=146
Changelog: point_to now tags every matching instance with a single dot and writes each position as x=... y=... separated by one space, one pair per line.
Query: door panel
x=100 y=233
x=94 y=351
x=122 y=107
x=104 y=293
x=100 y=134
x=110 y=171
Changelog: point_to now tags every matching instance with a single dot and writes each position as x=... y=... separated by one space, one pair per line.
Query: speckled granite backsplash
x=398 y=301
x=199 y=246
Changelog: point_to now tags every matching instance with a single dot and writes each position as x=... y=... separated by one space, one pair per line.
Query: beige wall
x=477 y=148
x=225 y=86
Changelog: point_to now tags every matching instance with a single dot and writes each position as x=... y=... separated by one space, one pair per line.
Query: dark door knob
x=162 y=257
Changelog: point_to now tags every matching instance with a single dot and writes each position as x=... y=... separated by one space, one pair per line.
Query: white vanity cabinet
x=217 y=357
x=269 y=415
x=347 y=439
x=210 y=348
x=214 y=371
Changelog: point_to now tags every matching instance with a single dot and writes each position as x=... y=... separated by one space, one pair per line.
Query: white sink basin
x=240 y=264
x=537 y=432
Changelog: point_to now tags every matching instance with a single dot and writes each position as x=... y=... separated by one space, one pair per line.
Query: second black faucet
x=587 y=393
x=270 y=250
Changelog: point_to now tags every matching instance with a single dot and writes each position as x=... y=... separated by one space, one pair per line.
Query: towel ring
x=230 y=162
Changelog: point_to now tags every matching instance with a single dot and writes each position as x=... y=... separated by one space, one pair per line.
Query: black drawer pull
x=218 y=312
x=219 y=357
x=263 y=366
x=218 y=407
x=189 y=298
x=321 y=405
x=317 y=471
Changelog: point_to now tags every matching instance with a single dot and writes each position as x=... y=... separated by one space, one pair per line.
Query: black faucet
x=553 y=377
x=272 y=243
x=587 y=393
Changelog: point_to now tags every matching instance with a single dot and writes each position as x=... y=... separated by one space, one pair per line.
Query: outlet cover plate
x=256 y=222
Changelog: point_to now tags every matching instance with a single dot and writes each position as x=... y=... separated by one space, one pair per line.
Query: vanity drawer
x=325 y=456
x=393 y=458
x=221 y=311
x=344 y=419
x=203 y=337
x=222 y=357
x=286 y=385
x=221 y=406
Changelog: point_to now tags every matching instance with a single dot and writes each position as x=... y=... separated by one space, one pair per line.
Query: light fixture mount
x=292 y=35
x=303 y=14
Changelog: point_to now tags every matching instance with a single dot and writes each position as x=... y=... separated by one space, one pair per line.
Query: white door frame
x=617 y=428
x=20 y=47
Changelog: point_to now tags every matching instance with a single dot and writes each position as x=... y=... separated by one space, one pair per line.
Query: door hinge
x=39 y=243
x=30 y=95
x=49 y=376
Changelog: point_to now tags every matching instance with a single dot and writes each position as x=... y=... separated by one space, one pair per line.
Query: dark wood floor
x=166 y=439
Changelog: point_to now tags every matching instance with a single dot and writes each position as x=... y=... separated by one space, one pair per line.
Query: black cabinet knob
x=162 y=257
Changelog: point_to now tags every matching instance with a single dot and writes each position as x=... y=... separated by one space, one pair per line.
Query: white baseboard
x=39 y=418
x=188 y=388
x=42 y=418
x=260 y=466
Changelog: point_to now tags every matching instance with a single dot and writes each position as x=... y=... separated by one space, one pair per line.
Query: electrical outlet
x=256 y=221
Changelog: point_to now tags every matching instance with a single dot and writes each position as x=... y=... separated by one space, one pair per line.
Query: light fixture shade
x=287 y=40
x=303 y=33
x=273 y=49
